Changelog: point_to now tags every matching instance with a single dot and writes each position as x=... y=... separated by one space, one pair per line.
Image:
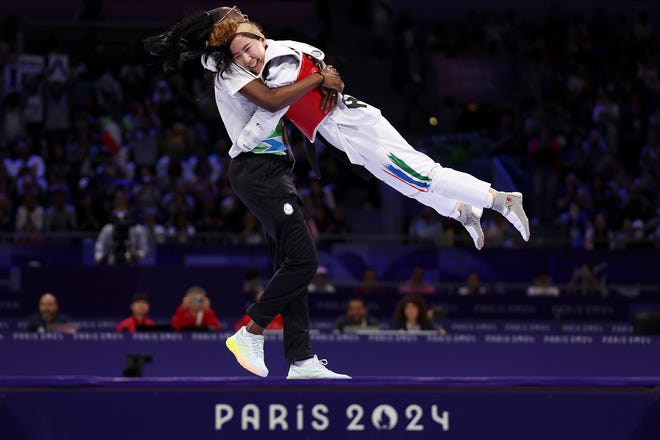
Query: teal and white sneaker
x=313 y=369
x=248 y=350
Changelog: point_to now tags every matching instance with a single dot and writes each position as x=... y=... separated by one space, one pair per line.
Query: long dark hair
x=422 y=319
x=186 y=40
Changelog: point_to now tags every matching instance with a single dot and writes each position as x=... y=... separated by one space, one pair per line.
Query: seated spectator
x=416 y=285
x=195 y=312
x=369 y=283
x=599 y=235
x=543 y=286
x=356 y=316
x=584 y=282
x=472 y=286
x=276 y=324
x=437 y=315
x=48 y=316
x=498 y=233
x=156 y=233
x=122 y=240
x=60 y=215
x=320 y=282
x=140 y=310
x=426 y=227
x=30 y=219
x=411 y=313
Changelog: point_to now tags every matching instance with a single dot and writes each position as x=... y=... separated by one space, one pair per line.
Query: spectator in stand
x=543 y=286
x=320 y=282
x=251 y=232
x=139 y=311
x=473 y=286
x=369 y=284
x=60 y=216
x=599 y=236
x=412 y=313
x=356 y=316
x=182 y=230
x=26 y=163
x=573 y=225
x=498 y=234
x=48 y=317
x=416 y=285
x=146 y=192
x=195 y=312
x=156 y=233
x=122 y=240
x=544 y=153
x=426 y=227
x=30 y=219
x=584 y=282
x=90 y=212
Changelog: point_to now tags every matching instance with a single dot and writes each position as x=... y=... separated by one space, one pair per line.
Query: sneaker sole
x=477 y=239
x=320 y=377
x=233 y=347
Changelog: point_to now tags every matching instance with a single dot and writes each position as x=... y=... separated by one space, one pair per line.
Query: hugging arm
x=278 y=98
x=264 y=121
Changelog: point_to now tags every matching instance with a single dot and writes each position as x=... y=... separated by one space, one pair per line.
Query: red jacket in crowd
x=184 y=319
x=130 y=324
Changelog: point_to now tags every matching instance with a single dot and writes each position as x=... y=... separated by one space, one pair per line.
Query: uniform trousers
x=264 y=183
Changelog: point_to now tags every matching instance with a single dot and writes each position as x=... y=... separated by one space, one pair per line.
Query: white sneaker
x=315 y=369
x=248 y=350
x=470 y=218
x=510 y=206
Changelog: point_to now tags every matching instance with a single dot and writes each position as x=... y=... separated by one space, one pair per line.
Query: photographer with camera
x=122 y=240
x=195 y=312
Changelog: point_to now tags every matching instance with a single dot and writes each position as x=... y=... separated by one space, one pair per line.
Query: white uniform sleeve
x=282 y=71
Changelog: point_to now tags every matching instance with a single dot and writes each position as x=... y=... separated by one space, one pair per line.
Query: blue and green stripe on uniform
x=400 y=170
x=273 y=145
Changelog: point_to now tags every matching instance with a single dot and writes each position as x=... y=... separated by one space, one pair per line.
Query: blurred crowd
x=91 y=129
x=580 y=134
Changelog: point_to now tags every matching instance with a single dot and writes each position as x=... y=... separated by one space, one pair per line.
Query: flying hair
x=186 y=40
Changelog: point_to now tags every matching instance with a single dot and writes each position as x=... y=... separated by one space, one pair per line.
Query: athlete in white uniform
x=367 y=138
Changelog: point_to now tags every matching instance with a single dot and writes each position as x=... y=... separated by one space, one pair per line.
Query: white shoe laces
x=318 y=364
x=256 y=345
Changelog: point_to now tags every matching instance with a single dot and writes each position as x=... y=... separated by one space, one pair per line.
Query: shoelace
x=471 y=220
x=255 y=344
x=320 y=364
x=467 y=217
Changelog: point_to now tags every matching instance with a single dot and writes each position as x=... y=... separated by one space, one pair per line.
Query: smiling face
x=248 y=52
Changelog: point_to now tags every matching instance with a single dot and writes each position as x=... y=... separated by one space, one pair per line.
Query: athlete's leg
x=388 y=155
x=264 y=184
